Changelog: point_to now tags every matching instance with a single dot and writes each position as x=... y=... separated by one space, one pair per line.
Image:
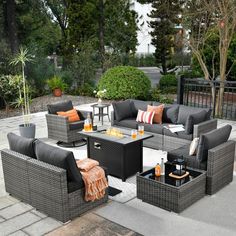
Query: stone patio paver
x=91 y=225
x=14 y=210
x=17 y=223
x=19 y=233
x=7 y=201
x=42 y=227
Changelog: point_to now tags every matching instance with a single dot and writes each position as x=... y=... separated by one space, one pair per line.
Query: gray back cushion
x=212 y=139
x=140 y=105
x=123 y=110
x=21 y=145
x=194 y=119
x=62 y=106
x=185 y=111
x=170 y=114
x=58 y=157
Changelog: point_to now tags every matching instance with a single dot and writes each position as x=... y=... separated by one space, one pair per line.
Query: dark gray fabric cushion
x=194 y=119
x=170 y=114
x=181 y=134
x=140 y=105
x=212 y=139
x=154 y=128
x=60 y=158
x=21 y=145
x=191 y=161
x=128 y=123
x=62 y=106
x=185 y=111
x=123 y=110
x=78 y=125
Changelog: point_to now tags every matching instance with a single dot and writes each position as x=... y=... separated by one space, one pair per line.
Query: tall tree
x=165 y=15
x=101 y=24
x=11 y=25
x=205 y=17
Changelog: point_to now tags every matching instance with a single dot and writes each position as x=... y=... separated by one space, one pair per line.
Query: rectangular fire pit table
x=122 y=156
x=169 y=193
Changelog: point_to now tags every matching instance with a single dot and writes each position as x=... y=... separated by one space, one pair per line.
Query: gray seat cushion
x=140 y=105
x=212 y=139
x=128 y=123
x=77 y=125
x=170 y=114
x=191 y=161
x=61 y=106
x=194 y=119
x=21 y=145
x=154 y=128
x=123 y=110
x=185 y=111
x=60 y=158
x=181 y=134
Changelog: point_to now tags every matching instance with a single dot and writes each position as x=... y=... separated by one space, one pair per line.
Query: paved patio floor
x=17 y=218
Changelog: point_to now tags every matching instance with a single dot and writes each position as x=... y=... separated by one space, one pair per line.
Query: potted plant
x=57 y=85
x=26 y=129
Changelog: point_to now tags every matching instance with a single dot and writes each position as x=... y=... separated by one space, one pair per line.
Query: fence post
x=180 y=91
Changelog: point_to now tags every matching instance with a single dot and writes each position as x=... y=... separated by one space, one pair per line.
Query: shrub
x=9 y=88
x=124 y=82
x=85 y=90
x=157 y=96
x=168 y=83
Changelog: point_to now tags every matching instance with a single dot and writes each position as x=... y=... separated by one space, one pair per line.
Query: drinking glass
x=134 y=133
x=141 y=129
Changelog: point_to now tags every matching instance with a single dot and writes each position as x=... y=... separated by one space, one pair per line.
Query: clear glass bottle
x=162 y=167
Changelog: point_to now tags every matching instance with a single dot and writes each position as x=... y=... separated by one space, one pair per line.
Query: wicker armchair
x=58 y=126
x=219 y=164
x=43 y=186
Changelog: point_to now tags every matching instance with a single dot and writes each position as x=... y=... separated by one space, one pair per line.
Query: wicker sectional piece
x=170 y=197
x=43 y=186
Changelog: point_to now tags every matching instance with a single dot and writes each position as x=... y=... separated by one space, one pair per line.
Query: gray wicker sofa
x=215 y=154
x=45 y=177
x=195 y=120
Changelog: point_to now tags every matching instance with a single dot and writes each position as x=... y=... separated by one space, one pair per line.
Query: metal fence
x=198 y=93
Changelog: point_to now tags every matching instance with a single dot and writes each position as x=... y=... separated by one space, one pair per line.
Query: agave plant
x=23 y=100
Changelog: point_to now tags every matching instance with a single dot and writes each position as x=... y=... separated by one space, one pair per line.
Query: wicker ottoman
x=169 y=193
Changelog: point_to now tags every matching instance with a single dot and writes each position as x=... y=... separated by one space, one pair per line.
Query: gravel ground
x=40 y=104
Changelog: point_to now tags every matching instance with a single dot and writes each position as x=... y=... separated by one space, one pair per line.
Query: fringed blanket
x=94 y=179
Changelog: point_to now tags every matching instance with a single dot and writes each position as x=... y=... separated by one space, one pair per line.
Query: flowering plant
x=100 y=93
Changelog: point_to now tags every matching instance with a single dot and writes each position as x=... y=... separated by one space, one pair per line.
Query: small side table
x=101 y=113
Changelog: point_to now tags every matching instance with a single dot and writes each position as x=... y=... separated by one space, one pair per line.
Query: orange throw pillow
x=71 y=114
x=158 y=111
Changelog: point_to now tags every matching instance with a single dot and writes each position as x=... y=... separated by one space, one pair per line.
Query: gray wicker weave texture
x=47 y=187
x=15 y=171
x=220 y=166
x=58 y=128
x=169 y=197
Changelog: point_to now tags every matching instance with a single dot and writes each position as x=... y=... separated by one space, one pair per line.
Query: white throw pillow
x=145 y=116
x=193 y=147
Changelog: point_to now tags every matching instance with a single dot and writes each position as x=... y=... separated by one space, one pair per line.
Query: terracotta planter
x=57 y=92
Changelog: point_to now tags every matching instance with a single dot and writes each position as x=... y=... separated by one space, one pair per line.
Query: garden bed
x=40 y=104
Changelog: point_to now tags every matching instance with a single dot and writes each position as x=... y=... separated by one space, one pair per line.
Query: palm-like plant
x=21 y=58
